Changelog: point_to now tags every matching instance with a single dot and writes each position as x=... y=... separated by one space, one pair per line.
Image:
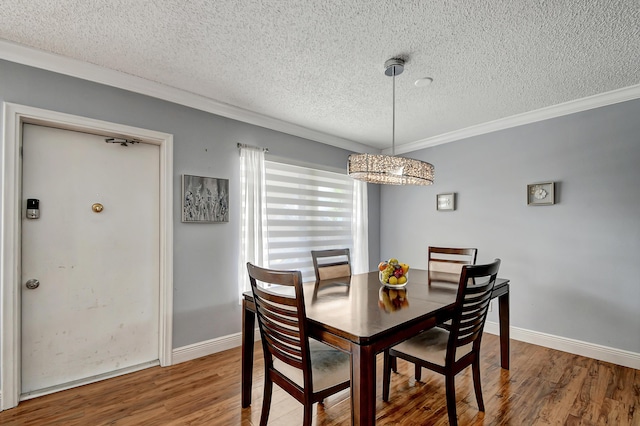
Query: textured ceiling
x=319 y=64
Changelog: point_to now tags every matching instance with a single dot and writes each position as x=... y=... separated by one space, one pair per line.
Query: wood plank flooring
x=543 y=387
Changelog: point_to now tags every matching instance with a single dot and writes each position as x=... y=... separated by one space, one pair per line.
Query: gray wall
x=574 y=266
x=205 y=255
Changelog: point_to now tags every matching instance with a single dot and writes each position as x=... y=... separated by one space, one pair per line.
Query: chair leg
x=450 y=381
x=387 y=361
x=394 y=364
x=307 y=414
x=266 y=399
x=477 y=385
x=418 y=372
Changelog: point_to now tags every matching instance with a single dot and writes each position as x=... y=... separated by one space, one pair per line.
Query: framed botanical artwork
x=541 y=194
x=446 y=201
x=205 y=199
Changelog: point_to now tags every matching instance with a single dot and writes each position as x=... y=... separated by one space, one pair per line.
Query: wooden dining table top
x=354 y=307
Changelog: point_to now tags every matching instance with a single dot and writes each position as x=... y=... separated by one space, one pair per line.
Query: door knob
x=32 y=284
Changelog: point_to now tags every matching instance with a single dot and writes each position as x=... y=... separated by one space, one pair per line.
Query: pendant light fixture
x=389 y=169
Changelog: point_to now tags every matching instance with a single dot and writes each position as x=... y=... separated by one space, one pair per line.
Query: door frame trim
x=14 y=115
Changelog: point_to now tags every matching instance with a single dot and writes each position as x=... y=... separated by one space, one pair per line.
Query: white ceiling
x=319 y=64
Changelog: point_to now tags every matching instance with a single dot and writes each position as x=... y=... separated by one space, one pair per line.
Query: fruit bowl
x=389 y=285
x=393 y=273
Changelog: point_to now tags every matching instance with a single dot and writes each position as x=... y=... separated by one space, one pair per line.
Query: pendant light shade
x=389 y=169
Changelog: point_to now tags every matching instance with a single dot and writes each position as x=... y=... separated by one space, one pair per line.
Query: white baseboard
x=208 y=347
x=577 y=347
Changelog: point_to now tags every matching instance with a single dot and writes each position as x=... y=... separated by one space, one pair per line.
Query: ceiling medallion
x=389 y=169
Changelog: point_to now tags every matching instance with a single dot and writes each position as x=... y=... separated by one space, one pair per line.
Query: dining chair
x=307 y=369
x=332 y=263
x=445 y=265
x=450 y=351
x=443 y=261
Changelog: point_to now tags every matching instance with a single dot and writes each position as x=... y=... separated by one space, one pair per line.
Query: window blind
x=307 y=209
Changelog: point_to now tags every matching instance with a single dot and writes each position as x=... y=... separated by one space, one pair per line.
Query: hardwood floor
x=543 y=387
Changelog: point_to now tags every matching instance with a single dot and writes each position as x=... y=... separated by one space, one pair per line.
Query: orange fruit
x=382 y=266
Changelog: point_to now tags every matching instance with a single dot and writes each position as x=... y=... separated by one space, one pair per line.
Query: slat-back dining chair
x=443 y=261
x=333 y=263
x=450 y=351
x=305 y=368
x=445 y=265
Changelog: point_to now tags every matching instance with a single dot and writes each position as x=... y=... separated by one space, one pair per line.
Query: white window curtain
x=360 y=228
x=253 y=224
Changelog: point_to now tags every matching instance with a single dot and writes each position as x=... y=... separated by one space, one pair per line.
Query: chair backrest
x=450 y=259
x=470 y=312
x=329 y=264
x=281 y=317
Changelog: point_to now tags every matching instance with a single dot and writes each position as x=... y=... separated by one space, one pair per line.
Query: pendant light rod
x=393 y=116
x=393 y=67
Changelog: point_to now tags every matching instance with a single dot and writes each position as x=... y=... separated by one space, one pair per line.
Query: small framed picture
x=205 y=199
x=446 y=201
x=541 y=194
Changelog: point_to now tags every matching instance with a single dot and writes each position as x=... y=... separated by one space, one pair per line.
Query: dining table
x=361 y=316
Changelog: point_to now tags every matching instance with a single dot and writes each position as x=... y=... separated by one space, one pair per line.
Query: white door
x=96 y=307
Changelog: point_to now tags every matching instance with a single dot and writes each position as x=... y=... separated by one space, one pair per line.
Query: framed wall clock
x=446 y=201
x=541 y=194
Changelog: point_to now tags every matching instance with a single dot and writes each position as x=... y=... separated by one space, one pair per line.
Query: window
x=307 y=209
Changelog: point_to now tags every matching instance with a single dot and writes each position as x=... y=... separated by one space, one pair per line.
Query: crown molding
x=14 y=52
x=553 y=111
x=24 y=55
